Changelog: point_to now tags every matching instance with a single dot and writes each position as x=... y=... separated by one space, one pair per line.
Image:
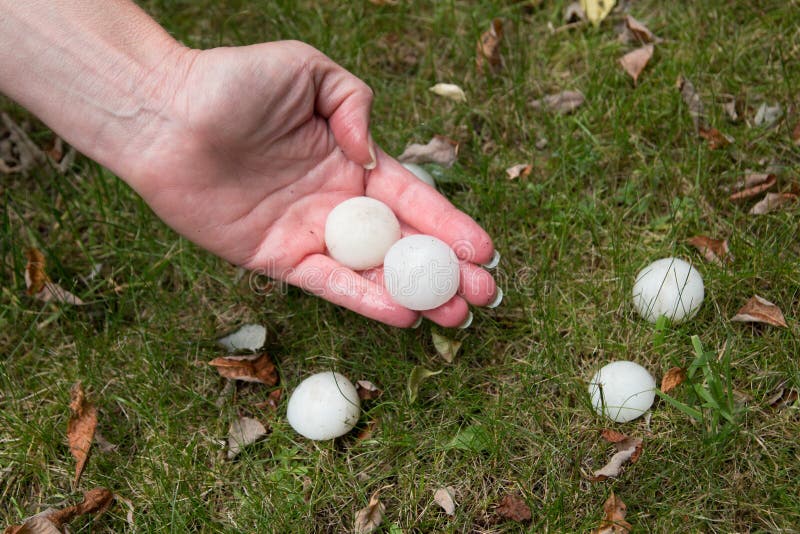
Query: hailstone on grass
x=622 y=391
x=324 y=406
x=359 y=231
x=421 y=272
x=670 y=288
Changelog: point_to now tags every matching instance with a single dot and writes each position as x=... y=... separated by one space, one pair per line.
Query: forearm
x=98 y=72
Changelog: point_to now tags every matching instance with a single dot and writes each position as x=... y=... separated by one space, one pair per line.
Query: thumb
x=346 y=101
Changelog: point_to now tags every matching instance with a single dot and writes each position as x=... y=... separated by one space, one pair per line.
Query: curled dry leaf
x=672 y=379
x=258 y=368
x=772 y=202
x=635 y=30
x=513 y=506
x=612 y=436
x=80 y=428
x=367 y=390
x=38 y=284
x=368 y=430
x=753 y=184
x=760 y=310
x=243 y=432
x=597 y=10
x=715 y=138
x=444 y=497
x=628 y=450
x=368 y=519
x=782 y=397
x=635 y=61
x=417 y=376
x=563 y=102
x=519 y=170
x=446 y=347
x=449 y=90
x=614 y=511
x=766 y=115
x=693 y=102
x=440 y=150
x=249 y=337
x=95 y=501
x=488 y=50
x=713 y=250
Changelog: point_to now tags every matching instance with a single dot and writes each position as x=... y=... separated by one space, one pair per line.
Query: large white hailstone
x=622 y=391
x=421 y=272
x=420 y=173
x=359 y=231
x=670 y=288
x=324 y=406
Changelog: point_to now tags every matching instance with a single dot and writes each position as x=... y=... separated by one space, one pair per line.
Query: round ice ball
x=420 y=173
x=359 y=231
x=622 y=391
x=324 y=406
x=421 y=272
x=668 y=287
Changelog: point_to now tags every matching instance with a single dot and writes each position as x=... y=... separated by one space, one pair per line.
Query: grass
x=621 y=182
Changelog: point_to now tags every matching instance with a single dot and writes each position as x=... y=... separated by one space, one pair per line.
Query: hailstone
x=359 y=231
x=668 y=287
x=324 y=406
x=421 y=272
x=622 y=391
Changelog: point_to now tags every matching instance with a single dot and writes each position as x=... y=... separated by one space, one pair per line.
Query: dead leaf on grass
x=367 y=390
x=418 y=375
x=597 y=10
x=368 y=430
x=444 y=498
x=243 y=432
x=782 y=397
x=103 y=444
x=38 y=283
x=614 y=511
x=635 y=61
x=449 y=90
x=488 y=50
x=446 y=347
x=257 y=368
x=564 y=102
x=635 y=30
x=693 y=102
x=612 y=436
x=760 y=310
x=18 y=154
x=80 y=428
x=672 y=379
x=766 y=115
x=628 y=450
x=95 y=501
x=715 y=138
x=753 y=184
x=368 y=519
x=272 y=402
x=713 y=250
x=513 y=506
x=796 y=134
x=440 y=150
x=249 y=337
x=730 y=110
x=772 y=202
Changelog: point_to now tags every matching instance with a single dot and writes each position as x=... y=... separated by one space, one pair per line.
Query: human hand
x=258 y=144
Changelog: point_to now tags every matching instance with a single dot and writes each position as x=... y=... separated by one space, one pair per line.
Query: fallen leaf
x=635 y=61
x=563 y=102
x=367 y=390
x=447 y=348
x=488 y=50
x=444 y=498
x=693 y=102
x=258 y=368
x=636 y=30
x=440 y=150
x=783 y=397
x=715 y=138
x=713 y=250
x=760 y=310
x=472 y=438
x=753 y=184
x=574 y=13
x=766 y=115
x=513 y=506
x=628 y=450
x=249 y=337
x=449 y=90
x=672 y=379
x=612 y=436
x=103 y=444
x=597 y=10
x=368 y=430
x=417 y=376
x=796 y=134
x=38 y=284
x=772 y=202
x=614 y=511
x=243 y=432
x=730 y=110
x=18 y=154
x=272 y=402
x=80 y=428
x=51 y=521
x=369 y=519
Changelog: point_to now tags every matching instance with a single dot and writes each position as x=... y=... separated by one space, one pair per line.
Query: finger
x=322 y=276
x=346 y=102
x=422 y=207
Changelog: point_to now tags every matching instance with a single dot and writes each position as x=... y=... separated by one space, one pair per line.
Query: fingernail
x=494 y=262
x=467 y=322
x=373 y=160
x=497 y=299
x=417 y=322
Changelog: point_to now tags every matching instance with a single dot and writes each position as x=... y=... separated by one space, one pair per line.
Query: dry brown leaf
x=444 y=498
x=637 y=30
x=612 y=436
x=243 y=432
x=513 y=506
x=440 y=150
x=614 y=511
x=672 y=379
x=39 y=285
x=258 y=368
x=368 y=430
x=272 y=402
x=446 y=347
x=628 y=450
x=715 y=138
x=80 y=428
x=95 y=501
x=635 y=61
x=713 y=250
x=782 y=398
x=772 y=202
x=519 y=170
x=693 y=102
x=488 y=50
x=368 y=519
x=449 y=90
x=564 y=102
x=760 y=310
x=367 y=390
x=796 y=134
x=753 y=184
x=103 y=444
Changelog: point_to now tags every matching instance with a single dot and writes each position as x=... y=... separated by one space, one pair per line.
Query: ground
x=622 y=181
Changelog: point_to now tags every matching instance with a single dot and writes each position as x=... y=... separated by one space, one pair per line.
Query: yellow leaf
x=597 y=10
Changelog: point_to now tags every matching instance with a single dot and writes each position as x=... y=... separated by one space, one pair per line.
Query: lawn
x=622 y=181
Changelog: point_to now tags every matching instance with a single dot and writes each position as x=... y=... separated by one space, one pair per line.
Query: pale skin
x=242 y=150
